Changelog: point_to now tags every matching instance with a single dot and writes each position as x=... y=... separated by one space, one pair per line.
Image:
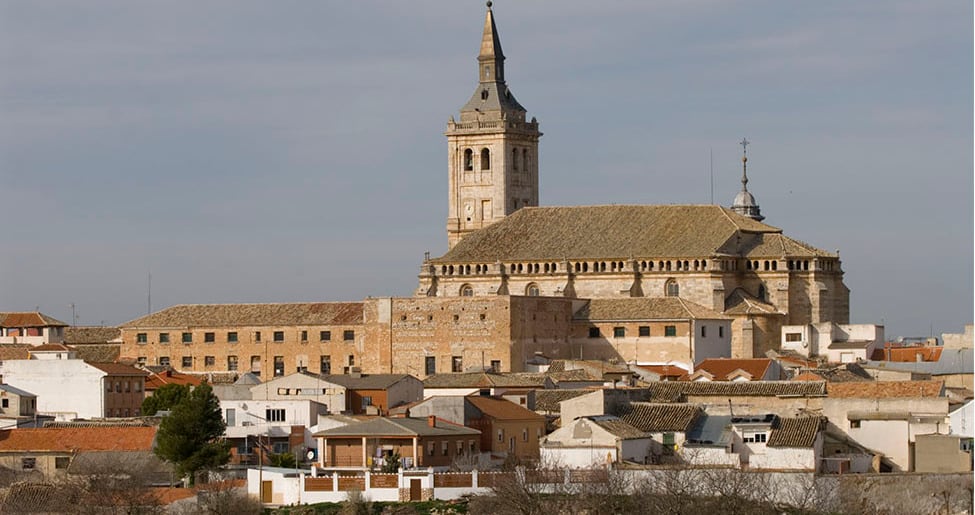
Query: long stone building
x=647 y=284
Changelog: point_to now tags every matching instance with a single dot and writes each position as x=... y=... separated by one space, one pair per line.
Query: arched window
x=761 y=292
x=466 y=291
x=532 y=290
x=485 y=159
x=672 y=289
x=468 y=159
x=514 y=159
x=524 y=159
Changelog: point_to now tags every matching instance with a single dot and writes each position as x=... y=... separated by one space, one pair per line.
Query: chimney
x=356 y=372
x=432 y=420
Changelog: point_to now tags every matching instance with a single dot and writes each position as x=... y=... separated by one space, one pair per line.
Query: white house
x=67 y=387
x=302 y=386
x=839 y=343
x=597 y=441
x=278 y=425
x=960 y=420
x=32 y=328
x=886 y=416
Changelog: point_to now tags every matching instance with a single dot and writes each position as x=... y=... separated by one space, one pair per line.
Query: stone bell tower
x=492 y=150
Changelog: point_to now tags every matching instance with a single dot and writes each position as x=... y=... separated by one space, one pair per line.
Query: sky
x=287 y=151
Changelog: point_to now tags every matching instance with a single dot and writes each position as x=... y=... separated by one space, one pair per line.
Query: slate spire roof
x=491 y=94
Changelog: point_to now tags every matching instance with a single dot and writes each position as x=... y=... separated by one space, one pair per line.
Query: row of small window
x=123 y=386
x=456 y=365
x=123 y=412
x=524 y=434
x=325 y=364
x=486 y=159
x=445 y=448
x=60 y=463
x=671 y=289
x=276 y=336
x=643 y=330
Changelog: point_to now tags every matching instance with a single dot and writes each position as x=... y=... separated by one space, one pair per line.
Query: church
x=635 y=284
x=501 y=242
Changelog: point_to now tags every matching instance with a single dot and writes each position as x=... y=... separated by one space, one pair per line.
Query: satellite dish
x=310 y=455
x=243 y=406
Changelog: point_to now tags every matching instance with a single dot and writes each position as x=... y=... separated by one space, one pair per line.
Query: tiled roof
x=808 y=376
x=586 y=374
x=906 y=354
x=16 y=391
x=15 y=351
x=28 y=319
x=90 y=334
x=158 y=379
x=668 y=371
x=618 y=427
x=365 y=381
x=795 y=432
x=237 y=315
x=645 y=308
x=109 y=422
x=887 y=389
x=656 y=417
x=99 y=353
x=383 y=426
x=78 y=439
x=624 y=232
x=950 y=362
x=721 y=368
x=740 y=302
x=678 y=390
x=502 y=409
x=119 y=369
x=548 y=400
x=51 y=347
x=484 y=380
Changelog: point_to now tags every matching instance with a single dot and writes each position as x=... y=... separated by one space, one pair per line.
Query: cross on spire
x=744 y=145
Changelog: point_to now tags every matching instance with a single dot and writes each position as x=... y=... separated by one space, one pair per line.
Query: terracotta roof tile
x=665 y=371
x=502 y=409
x=28 y=319
x=236 y=315
x=78 y=439
x=721 y=368
x=886 y=389
x=645 y=308
x=907 y=354
x=51 y=347
x=656 y=417
x=795 y=432
x=624 y=232
x=159 y=379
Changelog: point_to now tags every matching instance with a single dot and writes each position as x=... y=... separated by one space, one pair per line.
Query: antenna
x=711 y=157
x=149 y=295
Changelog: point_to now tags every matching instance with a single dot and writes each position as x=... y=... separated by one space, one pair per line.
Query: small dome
x=744 y=199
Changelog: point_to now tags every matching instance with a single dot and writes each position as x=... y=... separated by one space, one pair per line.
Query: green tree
x=190 y=437
x=283 y=460
x=166 y=397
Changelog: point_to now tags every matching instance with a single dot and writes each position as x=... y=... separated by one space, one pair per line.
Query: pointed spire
x=491 y=58
x=492 y=93
x=745 y=204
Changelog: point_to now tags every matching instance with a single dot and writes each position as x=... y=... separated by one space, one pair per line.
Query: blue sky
x=293 y=150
